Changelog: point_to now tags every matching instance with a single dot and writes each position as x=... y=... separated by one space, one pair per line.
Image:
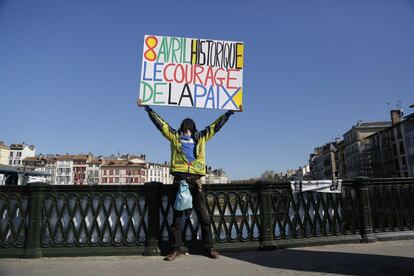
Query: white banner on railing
x=321 y=186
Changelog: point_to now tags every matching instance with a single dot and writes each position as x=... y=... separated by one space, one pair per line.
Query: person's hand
x=139 y=102
x=240 y=109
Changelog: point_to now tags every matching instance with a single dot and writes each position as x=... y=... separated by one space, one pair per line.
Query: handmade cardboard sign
x=192 y=72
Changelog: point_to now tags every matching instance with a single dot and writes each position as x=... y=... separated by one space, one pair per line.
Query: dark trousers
x=200 y=207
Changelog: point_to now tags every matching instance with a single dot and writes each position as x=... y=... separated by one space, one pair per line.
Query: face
x=187 y=133
x=187 y=127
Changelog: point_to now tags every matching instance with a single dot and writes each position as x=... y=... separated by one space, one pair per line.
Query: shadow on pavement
x=329 y=262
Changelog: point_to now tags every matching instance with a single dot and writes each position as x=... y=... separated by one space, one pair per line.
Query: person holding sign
x=188 y=166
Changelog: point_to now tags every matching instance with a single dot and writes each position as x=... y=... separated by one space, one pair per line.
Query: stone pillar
x=153 y=200
x=266 y=215
x=361 y=184
x=35 y=205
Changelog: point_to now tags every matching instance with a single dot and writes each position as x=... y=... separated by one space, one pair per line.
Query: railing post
x=32 y=247
x=152 y=197
x=266 y=216
x=365 y=210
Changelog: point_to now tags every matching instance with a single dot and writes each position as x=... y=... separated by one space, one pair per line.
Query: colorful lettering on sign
x=191 y=72
x=151 y=42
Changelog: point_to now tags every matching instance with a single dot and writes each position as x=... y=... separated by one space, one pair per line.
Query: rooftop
x=21 y=146
x=36 y=158
x=121 y=163
x=368 y=125
x=3 y=146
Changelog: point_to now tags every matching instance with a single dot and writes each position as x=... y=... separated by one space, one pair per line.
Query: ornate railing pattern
x=52 y=220
x=235 y=215
x=14 y=217
x=233 y=209
x=93 y=219
x=312 y=214
x=392 y=205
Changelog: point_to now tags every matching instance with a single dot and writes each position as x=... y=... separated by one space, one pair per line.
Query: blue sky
x=69 y=74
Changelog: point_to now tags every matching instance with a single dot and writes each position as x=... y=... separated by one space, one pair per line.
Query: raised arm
x=212 y=129
x=166 y=130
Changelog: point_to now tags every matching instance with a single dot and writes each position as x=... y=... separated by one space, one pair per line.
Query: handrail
x=71 y=220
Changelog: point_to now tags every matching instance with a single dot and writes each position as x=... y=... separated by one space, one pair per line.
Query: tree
x=268 y=175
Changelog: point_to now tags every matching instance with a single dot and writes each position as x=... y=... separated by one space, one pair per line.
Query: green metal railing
x=58 y=220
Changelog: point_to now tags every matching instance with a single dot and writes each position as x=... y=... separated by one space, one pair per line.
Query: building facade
x=79 y=168
x=386 y=153
x=217 y=176
x=324 y=162
x=18 y=152
x=409 y=142
x=399 y=149
x=159 y=173
x=354 y=147
x=64 y=170
x=93 y=172
x=316 y=164
x=378 y=155
x=340 y=145
x=302 y=173
x=4 y=154
x=124 y=172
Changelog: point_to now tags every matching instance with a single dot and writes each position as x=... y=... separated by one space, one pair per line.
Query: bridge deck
x=381 y=258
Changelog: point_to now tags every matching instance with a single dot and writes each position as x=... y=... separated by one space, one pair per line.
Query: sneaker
x=212 y=253
x=173 y=254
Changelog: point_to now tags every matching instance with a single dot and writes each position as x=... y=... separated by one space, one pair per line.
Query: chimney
x=396 y=115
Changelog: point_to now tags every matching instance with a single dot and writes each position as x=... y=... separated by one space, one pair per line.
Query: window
x=399 y=134
x=402 y=149
x=397 y=164
x=116 y=172
x=394 y=149
x=10 y=162
x=11 y=154
x=404 y=162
